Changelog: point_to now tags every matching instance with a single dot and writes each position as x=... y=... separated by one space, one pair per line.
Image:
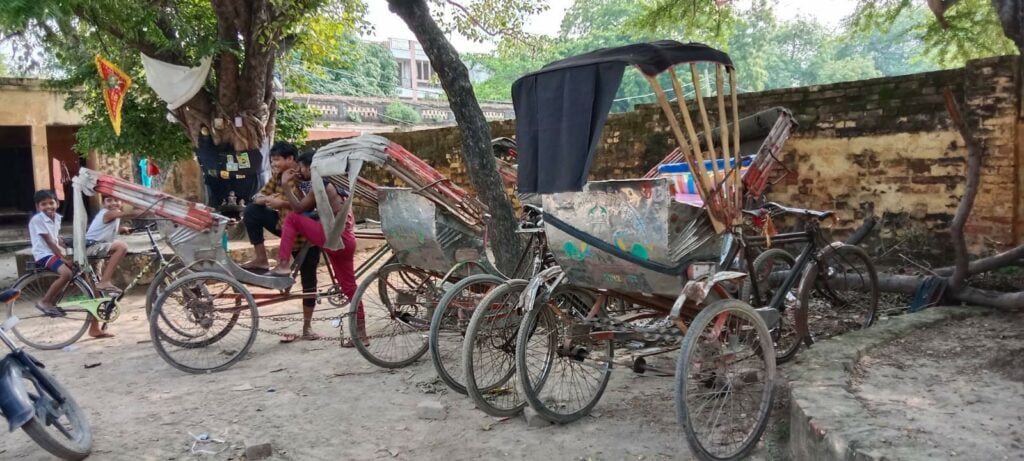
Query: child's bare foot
x=100 y=334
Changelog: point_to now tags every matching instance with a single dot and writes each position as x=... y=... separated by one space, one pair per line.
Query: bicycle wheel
x=562 y=369
x=725 y=376
x=44 y=331
x=397 y=303
x=61 y=429
x=208 y=306
x=770 y=270
x=448 y=326
x=839 y=293
x=488 y=353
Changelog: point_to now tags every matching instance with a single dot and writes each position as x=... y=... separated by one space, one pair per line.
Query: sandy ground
x=314 y=400
x=951 y=392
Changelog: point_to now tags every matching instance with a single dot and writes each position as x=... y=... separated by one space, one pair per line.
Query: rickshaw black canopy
x=561 y=109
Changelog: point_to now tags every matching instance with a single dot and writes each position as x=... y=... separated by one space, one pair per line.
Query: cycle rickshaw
x=643 y=266
x=422 y=299
x=196 y=303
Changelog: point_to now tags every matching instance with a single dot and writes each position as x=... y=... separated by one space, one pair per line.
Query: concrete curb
x=827 y=421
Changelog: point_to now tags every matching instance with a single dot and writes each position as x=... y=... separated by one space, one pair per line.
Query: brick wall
x=886 y=141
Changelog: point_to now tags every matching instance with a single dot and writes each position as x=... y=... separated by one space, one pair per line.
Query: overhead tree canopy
x=244 y=37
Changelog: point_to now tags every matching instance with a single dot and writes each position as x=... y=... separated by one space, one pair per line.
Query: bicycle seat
x=9 y=295
x=819 y=215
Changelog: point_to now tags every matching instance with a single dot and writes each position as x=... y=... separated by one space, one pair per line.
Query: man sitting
x=268 y=209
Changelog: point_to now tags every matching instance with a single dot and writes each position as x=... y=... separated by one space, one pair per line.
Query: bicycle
x=841 y=275
x=78 y=303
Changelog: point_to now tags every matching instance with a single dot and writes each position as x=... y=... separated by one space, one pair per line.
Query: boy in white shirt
x=99 y=240
x=43 y=230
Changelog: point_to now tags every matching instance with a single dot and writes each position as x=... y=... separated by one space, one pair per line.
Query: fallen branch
x=989 y=263
x=865 y=228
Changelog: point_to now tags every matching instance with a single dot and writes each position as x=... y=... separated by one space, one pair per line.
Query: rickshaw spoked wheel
x=488 y=353
x=448 y=326
x=389 y=316
x=207 y=306
x=725 y=375
x=562 y=369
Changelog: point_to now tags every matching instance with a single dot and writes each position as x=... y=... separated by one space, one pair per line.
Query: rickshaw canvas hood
x=561 y=109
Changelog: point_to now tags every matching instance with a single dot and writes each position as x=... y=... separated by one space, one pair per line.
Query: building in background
x=416 y=77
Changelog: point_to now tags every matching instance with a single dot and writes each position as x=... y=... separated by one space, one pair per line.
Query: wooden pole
x=736 y=137
x=723 y=134
x=708 y=135
x=694 y=141
x=698 y=179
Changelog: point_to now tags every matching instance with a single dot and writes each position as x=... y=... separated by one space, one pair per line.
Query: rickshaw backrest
x=423 y=235
x=637 y=216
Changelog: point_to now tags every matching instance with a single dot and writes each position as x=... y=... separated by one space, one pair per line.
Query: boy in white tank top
x=99 y=239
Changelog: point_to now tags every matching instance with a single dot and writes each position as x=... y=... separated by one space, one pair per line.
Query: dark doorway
x=18 y=185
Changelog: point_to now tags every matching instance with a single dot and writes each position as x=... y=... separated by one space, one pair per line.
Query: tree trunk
x=1011 y=17
x=963 y=211
x=476 y=133
x=244 y=71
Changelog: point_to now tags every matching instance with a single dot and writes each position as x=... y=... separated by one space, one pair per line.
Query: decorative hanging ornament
x=115 y=84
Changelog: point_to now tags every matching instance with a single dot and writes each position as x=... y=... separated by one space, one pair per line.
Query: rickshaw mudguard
x=549 y=277
x=15 y=403
x=698 y=290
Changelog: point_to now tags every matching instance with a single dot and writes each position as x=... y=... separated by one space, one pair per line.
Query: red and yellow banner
x=115 y=84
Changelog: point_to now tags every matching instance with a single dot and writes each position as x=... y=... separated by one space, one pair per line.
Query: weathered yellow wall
x=24 y=102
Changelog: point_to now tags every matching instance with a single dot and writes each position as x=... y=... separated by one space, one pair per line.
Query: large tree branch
x=963 y=211
x=134 y=40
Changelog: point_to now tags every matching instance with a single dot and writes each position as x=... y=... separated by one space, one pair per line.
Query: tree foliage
x=972 y=28
x=370 y=70
x=244 y=37
x=402 y=113
x=768 y=52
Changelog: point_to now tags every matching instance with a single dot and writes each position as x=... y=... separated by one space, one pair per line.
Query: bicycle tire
x=30 y=284
x=361 y=297
x=785 y=350
x=472 y=348
x=543 y=314
x=234 y=355
x=450 y=372
x=38 y=431
x=763 y=349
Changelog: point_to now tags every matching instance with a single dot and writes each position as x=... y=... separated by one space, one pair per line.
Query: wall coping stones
x=827 y=421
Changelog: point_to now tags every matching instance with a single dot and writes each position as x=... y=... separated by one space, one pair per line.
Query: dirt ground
x=314 y=400
x=955 y=391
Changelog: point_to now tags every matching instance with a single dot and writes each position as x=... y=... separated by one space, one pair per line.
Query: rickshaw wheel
x=771 y=268
x=207 y=306
x=562 y=369
x=396 y=304
x=488 y=353
x=727 y=352
x=448 y=326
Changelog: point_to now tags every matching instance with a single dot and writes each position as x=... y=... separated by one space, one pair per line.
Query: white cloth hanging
x=173 y=83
